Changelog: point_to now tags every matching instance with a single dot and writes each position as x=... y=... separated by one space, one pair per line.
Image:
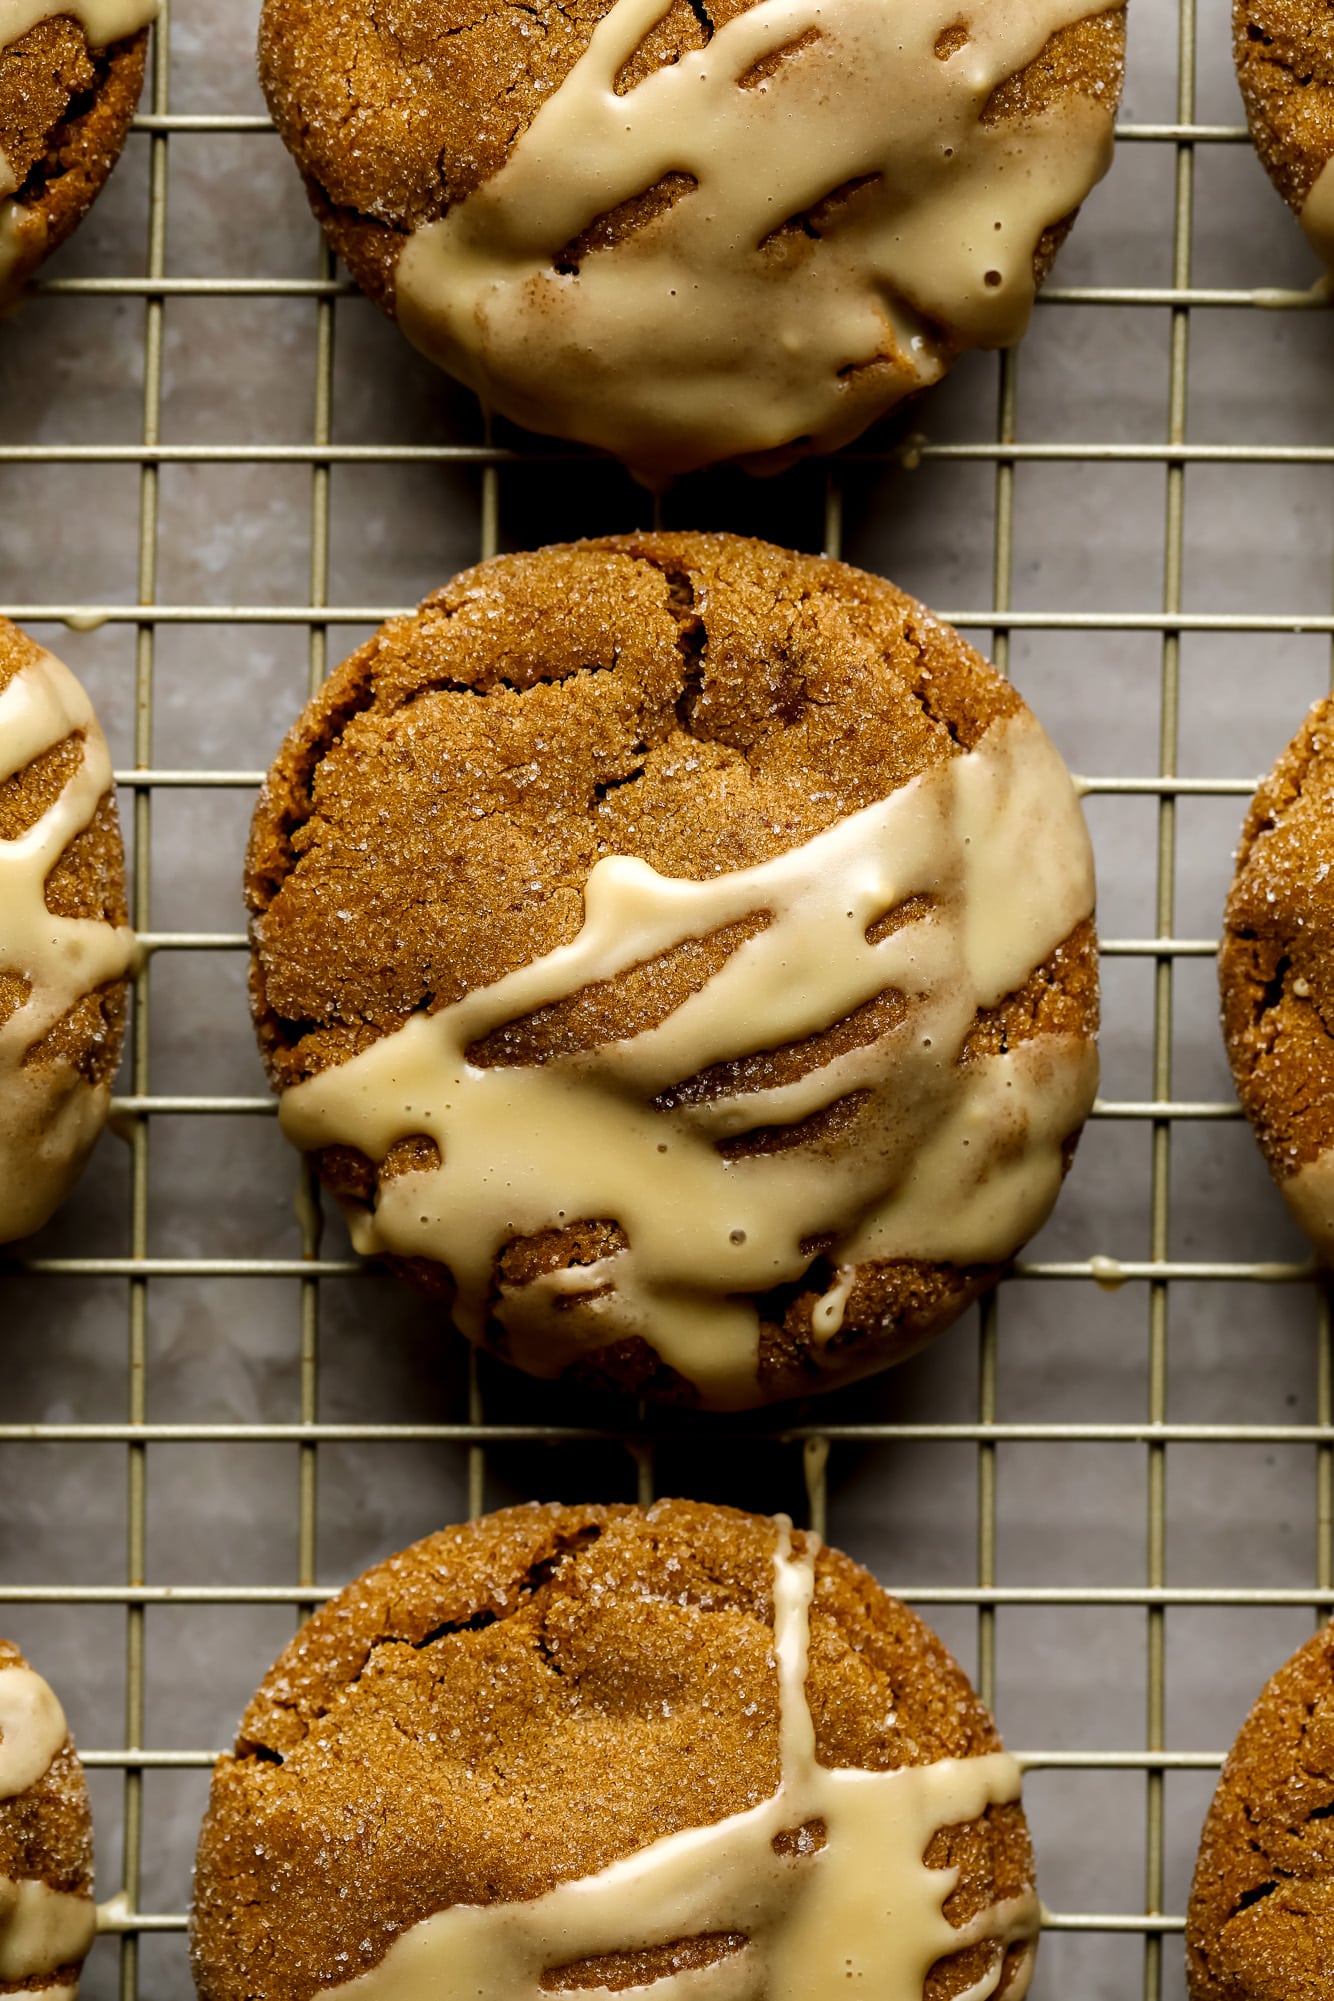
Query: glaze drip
x=1318 y=216
x=1309 y=1194
x=32 y=1730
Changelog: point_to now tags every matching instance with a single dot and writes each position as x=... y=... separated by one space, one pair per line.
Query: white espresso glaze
x=1318 y=216
x=863 y=1915
x=942 y=1160
x=32 y=1730
x=103 y=22
x=1309 y=1194
x=49 y=1114
x=42 y=1930
x=685 y=342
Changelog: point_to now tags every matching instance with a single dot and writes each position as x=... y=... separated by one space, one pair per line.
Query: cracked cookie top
x=531 y=1699
x=70 y=76
x=1261 y=1917
x=679 y=954
x=1284 y=53
x=694 y=230
x=1276 y=985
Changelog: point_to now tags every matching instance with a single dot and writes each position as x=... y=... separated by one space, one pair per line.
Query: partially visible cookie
x=1285 y=65
x=70 y=76
x=1276 y=974
x=65 y=946
x=1261 y=1920
x=566 y=1749
x=47 y=1915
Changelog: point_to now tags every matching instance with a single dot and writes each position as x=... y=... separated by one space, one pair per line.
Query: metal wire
x=139 y=1106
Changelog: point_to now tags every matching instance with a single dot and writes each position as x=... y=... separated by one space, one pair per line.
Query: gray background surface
x=1089 y=539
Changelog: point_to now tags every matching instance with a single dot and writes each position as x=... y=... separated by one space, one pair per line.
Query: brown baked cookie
x=69 y=82
x=65 y=946
x=1276 y=978
x=701 y=232
x=1285 y=65
x=47 y=1915
x=616 y=1699
x=1261 y=1921
x=679 y=954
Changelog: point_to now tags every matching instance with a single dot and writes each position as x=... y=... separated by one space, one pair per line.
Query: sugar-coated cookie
x=47 y=1914
x=1277 y=978
x=70 y=76
x=679 y=954
x=573 y=1748
x=65 y=947
x=1261 y=1920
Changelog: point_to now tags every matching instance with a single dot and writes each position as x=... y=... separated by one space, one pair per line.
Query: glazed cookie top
x=64 y=110
x=1261 y=1918
x=685 y=233
x=1285 y=65
x=1276 y=977
x=692 y=888
x=566 y=1748
x=47 y=1916
x=65 y=948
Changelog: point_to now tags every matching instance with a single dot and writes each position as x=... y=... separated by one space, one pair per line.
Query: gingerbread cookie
x=1277 y=978
x=581 y=1748
x=47 y=1914
x=1261 y=1918
x=65 y=947
x=70 y=76
x=697 y=233
x=679 y=955
x=1285 y=65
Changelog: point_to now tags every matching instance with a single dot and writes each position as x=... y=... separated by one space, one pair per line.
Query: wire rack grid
x=968 y=1483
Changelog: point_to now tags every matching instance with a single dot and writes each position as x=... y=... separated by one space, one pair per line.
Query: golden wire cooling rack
x=1112 y=1489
